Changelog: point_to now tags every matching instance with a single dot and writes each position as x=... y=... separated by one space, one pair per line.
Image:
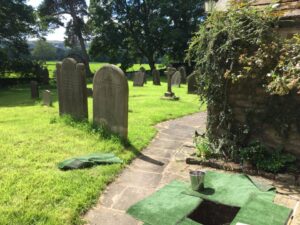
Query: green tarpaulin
x=88 y=161
x=172 y=204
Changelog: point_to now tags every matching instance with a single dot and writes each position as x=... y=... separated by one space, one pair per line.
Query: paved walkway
x=161 y=162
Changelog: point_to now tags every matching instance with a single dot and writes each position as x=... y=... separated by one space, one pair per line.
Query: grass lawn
x=34 y=139
x=51 y=65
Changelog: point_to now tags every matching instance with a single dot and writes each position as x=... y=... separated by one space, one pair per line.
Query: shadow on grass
x=21 y=96
x=104 y=133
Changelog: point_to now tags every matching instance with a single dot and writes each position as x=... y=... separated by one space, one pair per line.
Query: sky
x=56 y=35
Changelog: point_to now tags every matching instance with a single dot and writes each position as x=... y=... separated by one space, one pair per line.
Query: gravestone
x=45 y=76
x=176 y=79
x=169 y=94
x=192 y=83
x=89 y=92
x=143 y=70
x=71 y=86
x=110 y=103
x=183 y=74
x=34 y=88
x=138 y=79
x=47 y=98
x=156 y=77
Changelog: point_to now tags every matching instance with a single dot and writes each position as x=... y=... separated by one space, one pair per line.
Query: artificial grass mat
x=172 y=204
x=229 y=189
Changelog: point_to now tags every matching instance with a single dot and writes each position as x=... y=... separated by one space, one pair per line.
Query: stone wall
x=252 y=106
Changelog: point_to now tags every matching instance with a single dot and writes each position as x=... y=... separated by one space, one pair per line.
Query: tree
x=140 y=28
x=17 y=21
x=52 y=12
x=44 y=51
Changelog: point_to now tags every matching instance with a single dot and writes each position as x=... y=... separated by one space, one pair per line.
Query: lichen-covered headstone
x=192 y=84
x=156 y=77
x=139 y=79
x=34 y=88
x=110 y=101
x=71 y=86
x=183 y=74
x=47 y=98
x=176 y=79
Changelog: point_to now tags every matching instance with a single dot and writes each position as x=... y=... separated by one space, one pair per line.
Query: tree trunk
x=85 y=56
x=151 y=63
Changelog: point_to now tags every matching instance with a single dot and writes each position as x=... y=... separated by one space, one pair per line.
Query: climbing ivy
x=235 y=46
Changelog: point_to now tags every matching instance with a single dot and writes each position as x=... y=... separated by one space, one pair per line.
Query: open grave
x=227 y=199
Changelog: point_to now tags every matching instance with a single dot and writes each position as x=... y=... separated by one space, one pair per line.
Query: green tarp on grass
x=171 y=205
x=87 y=161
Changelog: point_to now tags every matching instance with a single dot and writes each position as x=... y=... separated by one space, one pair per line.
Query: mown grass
x=94 y=66
x=34 y=139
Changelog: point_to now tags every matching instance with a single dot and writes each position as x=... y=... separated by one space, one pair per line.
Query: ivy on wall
x=234 y=46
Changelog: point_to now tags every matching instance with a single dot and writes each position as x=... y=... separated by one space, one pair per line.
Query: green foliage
x=52 y=14
x=204 y=147
x=44 y=51
x=266 y=159
x=130 y=30
x=286 y=76
x=17 y=21
x=234 y=47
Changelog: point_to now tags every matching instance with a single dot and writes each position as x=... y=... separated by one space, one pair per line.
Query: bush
x=266 y=159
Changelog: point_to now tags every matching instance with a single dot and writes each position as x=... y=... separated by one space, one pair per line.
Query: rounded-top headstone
x=71 y=86
x=110 y=99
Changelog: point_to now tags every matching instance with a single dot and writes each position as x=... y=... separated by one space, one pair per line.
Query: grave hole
x=211 y=213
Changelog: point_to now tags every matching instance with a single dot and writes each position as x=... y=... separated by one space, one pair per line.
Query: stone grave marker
x=47 y=98
x=110 y=102
x=192 y=83
x=169 y=94
x=176 y=79
x=45 y=76
x=156 y=77
x=139 y=79
x=34 y=88
x=71 y=85
x=183 y=74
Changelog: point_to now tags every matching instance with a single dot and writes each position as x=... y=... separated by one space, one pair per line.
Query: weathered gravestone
x=156 y=77
x=176 y=79
x=45 y=76
x=71 y=87
x=183 y=74
x=89 y=92
x=110 y=103
x=47 y=98
x=143 y=70
x=169 y=94
x=192 y=83
x=138 y=79
x=34 y=88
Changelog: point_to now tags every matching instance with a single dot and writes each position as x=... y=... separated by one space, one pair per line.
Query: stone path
x=161 y=162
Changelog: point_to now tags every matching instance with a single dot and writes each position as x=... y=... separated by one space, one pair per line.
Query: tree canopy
x=44 y=51
x=145 y=29
x=52 y=14
x=17 y=21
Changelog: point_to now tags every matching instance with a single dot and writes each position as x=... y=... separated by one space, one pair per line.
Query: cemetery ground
x=34 y=139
